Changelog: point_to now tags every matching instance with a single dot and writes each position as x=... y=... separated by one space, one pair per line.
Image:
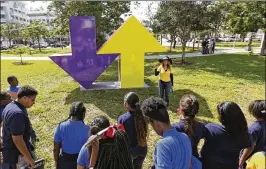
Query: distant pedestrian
x=204 y=44
x=212 y=46
x=14 y=87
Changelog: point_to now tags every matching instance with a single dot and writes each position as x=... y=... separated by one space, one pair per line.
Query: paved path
x=198 y=54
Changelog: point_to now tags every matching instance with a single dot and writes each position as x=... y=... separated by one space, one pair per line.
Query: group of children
x=229 y=145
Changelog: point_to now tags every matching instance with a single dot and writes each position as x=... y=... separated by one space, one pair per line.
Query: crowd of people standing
x=100 y=145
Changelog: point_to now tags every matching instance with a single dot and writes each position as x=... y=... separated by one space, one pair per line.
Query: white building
x=14 y=11
x=40 y=14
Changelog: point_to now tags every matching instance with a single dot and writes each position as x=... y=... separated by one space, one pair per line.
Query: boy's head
x=5 y=98
x=12 y=80
x=258 y=109
x=156 y=111
x=27 y=96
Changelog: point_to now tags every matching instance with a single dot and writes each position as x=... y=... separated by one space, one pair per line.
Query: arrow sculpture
x=132 y=40
x=84 y=65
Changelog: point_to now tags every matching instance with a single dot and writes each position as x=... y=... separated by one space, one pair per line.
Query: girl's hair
x=258 y=109
x=77 y=110
x=232 y=117
x=190 y=107
x=114 y=153
x=99 y=123
x=141 y=124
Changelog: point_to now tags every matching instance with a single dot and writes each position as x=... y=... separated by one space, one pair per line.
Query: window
x=2 y=8
x=43 y=20
x=30 y=21
x=47 y=20
x=16 y=17
x=2 y=16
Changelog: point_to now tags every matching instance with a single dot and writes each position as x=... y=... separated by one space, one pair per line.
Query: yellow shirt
x=256 y=161
x=164 y=75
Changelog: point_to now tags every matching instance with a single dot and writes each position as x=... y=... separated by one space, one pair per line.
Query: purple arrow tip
x=85 y=66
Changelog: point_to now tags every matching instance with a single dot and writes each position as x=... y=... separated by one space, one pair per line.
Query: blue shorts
x=8 y=166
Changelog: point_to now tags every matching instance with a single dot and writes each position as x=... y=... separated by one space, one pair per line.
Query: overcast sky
x=139 y=12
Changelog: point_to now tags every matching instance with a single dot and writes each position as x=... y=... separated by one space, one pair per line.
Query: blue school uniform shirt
x=222 y=149
x=2 y=107
x=13 y=89
x=198 y=133
x=128 y=121
x=258 y=133
x=84 y=158
x=173 y=151
x=15 y=123
x=72 y=134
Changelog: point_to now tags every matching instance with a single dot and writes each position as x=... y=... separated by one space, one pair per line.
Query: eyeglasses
x=32 y=99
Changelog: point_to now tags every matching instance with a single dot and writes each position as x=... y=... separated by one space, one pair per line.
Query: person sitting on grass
x=87 y=158
x=136 y=127
x=70 y=135
x=174 y=150
x=224 y=142
x=13 y=88
x=257 y=109
x=188 y=108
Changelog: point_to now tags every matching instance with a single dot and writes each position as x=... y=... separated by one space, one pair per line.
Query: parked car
x=4 y=48
x=35 y=46
x=57 y=45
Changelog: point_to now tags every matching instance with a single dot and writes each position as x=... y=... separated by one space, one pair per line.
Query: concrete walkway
x=198 y=54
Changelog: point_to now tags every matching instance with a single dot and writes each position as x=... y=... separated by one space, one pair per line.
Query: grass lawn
x=50 y=51
x=213 y=79
x=237 y=44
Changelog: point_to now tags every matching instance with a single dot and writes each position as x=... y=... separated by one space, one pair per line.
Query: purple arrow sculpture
x=85 y=66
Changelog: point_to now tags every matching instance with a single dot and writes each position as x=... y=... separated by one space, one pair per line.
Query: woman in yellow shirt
x=165 y=78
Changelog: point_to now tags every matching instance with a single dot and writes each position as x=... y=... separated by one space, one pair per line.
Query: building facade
x=14 y=11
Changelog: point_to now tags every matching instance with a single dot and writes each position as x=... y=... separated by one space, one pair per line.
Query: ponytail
x=189 y=122
x=141 y=124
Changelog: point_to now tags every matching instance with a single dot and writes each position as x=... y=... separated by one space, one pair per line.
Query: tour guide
x=166 y=77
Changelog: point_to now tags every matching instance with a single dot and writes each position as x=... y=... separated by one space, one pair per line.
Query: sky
x=139 y=12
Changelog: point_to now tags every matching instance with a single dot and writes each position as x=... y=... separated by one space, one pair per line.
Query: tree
x=242 y=18
x=20 y=51
x=35 y=31
x=177 y=19
x=107 y=15
x=12 y=31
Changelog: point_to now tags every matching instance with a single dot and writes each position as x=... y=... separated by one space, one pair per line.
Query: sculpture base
x=106 y=85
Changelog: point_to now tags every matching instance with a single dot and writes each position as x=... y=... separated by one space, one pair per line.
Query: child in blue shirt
x=13 y=88
x=84 y=160
x=257 y=109
x=70 y=135
x=136 y=128
x=188 y=108
x=223 y=142
x=174 y=150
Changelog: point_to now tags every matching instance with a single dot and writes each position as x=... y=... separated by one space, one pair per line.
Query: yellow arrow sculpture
x=132 y=40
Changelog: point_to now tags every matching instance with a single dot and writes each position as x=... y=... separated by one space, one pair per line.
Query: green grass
x=237 y=44
x=213 y=79
x=36 y=52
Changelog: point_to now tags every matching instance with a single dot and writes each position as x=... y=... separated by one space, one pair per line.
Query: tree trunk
x=263 y=45
x=39 y=45
x=171 y=45
x=183 y=52
x=174 y=43
x=21 y=59
x=193 y=44
x=243 y=38
x=250 y=42
x=161 y=39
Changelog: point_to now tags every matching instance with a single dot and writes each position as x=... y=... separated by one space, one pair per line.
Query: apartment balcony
x=3 y=20
x=3 y=12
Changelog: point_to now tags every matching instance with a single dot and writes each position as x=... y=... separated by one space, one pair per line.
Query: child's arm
x=246 y=153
